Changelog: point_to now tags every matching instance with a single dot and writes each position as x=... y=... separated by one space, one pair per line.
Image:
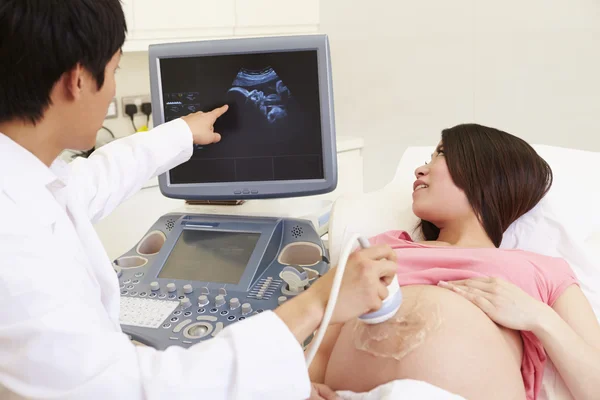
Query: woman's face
x=435 y=196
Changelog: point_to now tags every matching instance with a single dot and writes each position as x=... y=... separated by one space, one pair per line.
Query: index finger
x=217 y=112
x=380 y=252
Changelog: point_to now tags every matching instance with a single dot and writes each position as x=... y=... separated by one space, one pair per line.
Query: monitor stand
x=316 y=211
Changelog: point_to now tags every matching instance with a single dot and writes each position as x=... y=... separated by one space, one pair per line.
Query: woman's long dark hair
x=502 y=176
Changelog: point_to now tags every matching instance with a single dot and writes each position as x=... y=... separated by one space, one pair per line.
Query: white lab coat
x=60 y=336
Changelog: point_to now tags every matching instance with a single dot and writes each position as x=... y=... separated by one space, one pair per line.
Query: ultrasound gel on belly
x=402 y=333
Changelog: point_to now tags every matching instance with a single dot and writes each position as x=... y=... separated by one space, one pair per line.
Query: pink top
x=542 y=277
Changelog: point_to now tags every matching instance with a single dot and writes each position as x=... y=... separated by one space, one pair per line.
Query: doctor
x=59 y=297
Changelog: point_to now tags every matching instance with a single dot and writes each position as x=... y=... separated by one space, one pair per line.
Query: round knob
x=246 y=308
x=185 y=302
x=219 y=300
x=171 y=287
x=187 y=289
x=234 y=303
x=204 y=290
x=202 y=300
x=223 y=291
x=281 y=300
x=154 y=286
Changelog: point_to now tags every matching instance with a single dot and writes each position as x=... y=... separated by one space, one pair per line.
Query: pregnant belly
x=437 y=336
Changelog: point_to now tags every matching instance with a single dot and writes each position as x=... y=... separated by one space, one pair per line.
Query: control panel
x=191 y=276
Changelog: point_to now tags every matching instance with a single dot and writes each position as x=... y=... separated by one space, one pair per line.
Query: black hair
x=502 y=176
x=40 y=40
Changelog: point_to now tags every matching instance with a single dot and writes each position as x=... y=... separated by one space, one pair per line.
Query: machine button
x=231 y=318
x=218 y=328
x=127 y=281
x=281 y=300
x=171 y=287
x=246 y=308
x=255 y=192
x=223 y=291
x=203 y=300
x=162 y=296
x=219 y=300
x=187 y=289
x=204 y=290
x=234 y=303
x=187 y=313
x=185 y=303
x=118 y=270
x=207 y=318
x=135 y=282
x=246 y=191
x=182 y=325
x=154 y=286
x=237 y=192
x=139 y=274
x=173 y=338
x=224 y=312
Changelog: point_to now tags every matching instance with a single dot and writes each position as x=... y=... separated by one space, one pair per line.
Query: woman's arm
x=570 y=334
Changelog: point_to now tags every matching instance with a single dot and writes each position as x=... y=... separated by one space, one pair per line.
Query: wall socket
x=137 y=100
x=113 y=111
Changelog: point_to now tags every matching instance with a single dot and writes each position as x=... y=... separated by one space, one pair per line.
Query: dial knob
x=219 y=300
x=203 y=300
x=187 y=289
x=234 y=303
x=246 y=308
x=204 y=290
x=171 y=287
x=223 y=291
x=185 y=302
x=154 y=286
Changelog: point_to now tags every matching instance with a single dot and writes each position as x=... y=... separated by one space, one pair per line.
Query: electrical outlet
x=113 y=110
x=137 y=100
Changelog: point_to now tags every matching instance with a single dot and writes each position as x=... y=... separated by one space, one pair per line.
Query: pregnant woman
x=476 y=320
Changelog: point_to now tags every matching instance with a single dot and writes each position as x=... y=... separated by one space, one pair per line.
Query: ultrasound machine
x=193 y=274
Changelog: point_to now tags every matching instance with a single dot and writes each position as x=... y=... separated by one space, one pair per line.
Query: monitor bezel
x=262 y=189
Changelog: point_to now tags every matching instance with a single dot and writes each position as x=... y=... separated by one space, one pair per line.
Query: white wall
x=133 y=79
x=405 y=69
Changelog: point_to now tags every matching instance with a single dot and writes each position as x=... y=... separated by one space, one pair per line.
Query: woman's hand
x=505 y=303
x=322 y=392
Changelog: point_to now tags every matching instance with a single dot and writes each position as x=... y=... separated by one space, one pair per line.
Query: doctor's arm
x=116 y=171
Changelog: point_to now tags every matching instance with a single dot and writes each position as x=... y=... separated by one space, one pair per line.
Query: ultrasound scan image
x=262 y=90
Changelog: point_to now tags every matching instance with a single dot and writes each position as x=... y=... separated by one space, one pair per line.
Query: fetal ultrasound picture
x=272 y=130
x=263 y=91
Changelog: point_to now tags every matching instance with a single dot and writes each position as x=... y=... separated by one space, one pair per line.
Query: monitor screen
x=272 y=130
x=210 y=256
x=278 y=136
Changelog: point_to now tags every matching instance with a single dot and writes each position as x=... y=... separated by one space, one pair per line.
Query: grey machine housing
x=264 y=189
